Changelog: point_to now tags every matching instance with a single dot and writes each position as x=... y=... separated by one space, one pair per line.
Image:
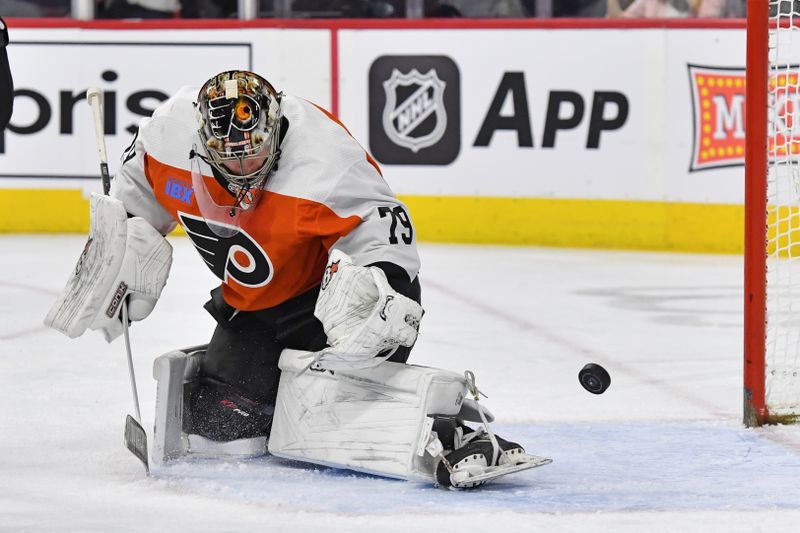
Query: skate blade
x=470 y=478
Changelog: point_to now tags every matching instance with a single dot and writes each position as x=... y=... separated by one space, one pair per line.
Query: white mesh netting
x=783 y=211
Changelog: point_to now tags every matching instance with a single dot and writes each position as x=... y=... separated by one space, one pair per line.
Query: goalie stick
x=135 y=435
x=93 y=97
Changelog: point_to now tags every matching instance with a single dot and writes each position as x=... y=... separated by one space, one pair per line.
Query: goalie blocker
x=395 y=420
x=124 y=259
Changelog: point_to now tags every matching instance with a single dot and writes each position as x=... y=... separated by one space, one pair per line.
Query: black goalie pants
x=234 y=394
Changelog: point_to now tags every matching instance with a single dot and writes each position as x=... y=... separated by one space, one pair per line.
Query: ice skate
x=474 y=457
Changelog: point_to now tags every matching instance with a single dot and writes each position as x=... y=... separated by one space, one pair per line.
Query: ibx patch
x=179 y=189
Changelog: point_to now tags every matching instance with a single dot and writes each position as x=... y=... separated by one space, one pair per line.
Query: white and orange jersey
x=325 y=192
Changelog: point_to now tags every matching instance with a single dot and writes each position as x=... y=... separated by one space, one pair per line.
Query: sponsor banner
x=570 y=137
x=784 y=102
x=651 y=114
x=574 y=113
x=718 y=112
x=50 y=140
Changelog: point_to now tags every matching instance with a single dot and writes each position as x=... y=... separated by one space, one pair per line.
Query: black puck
x=594 y=378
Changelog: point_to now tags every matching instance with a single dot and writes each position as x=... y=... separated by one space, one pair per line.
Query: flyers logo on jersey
x=719 y=110
x=237 y=257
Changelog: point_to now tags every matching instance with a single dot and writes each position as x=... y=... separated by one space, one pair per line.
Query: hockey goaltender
x=319 y=302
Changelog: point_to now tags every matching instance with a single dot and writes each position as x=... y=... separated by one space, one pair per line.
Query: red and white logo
x=718 y=95
x=719 y=109
x=327 y=277
x=783 y=136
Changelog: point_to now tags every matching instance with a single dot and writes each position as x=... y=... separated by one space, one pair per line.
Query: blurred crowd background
x=154 y=9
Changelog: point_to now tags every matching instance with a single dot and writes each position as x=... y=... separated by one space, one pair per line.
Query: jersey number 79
x=398 y=214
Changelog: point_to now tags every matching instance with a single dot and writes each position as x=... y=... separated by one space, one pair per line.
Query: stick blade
x=136 y=441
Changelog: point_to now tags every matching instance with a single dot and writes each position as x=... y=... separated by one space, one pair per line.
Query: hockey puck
x=594 y=378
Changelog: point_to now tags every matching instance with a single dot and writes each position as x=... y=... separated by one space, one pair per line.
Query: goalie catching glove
x=364 y=318
x=124 y=258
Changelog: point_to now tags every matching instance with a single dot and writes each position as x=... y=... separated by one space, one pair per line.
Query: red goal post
x=772 y=215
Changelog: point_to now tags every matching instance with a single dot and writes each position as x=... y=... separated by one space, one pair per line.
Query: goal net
x=772 y=214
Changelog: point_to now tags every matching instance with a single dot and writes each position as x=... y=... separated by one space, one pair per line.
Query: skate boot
x=468 y=458
x=469 y=451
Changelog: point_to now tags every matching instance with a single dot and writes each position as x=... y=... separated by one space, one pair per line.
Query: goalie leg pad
x=169 y=441
x=172 y=372
x=376 y=420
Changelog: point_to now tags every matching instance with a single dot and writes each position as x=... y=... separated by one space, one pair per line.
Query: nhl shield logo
x=414 y=110
x=414 y=115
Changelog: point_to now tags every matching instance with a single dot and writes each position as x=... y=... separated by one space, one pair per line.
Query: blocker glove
x=124 y=260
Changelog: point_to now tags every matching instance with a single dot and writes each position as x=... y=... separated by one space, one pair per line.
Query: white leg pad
x=168 y=439
x=372 y=420
x=171 y=371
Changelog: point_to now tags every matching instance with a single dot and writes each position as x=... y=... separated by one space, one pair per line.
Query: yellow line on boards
x=611 y=224
x=614 y=224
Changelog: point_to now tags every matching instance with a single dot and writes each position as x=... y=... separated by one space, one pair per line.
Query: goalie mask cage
x=772 y=214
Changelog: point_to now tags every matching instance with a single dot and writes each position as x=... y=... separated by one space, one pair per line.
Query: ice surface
x=662 y=450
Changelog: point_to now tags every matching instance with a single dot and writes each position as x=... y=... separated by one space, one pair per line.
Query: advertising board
x=536 y=133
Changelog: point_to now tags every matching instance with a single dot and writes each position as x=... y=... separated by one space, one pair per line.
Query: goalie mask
x=239 y=117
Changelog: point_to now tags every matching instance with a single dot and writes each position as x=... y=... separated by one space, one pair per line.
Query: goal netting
x=772 y=214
